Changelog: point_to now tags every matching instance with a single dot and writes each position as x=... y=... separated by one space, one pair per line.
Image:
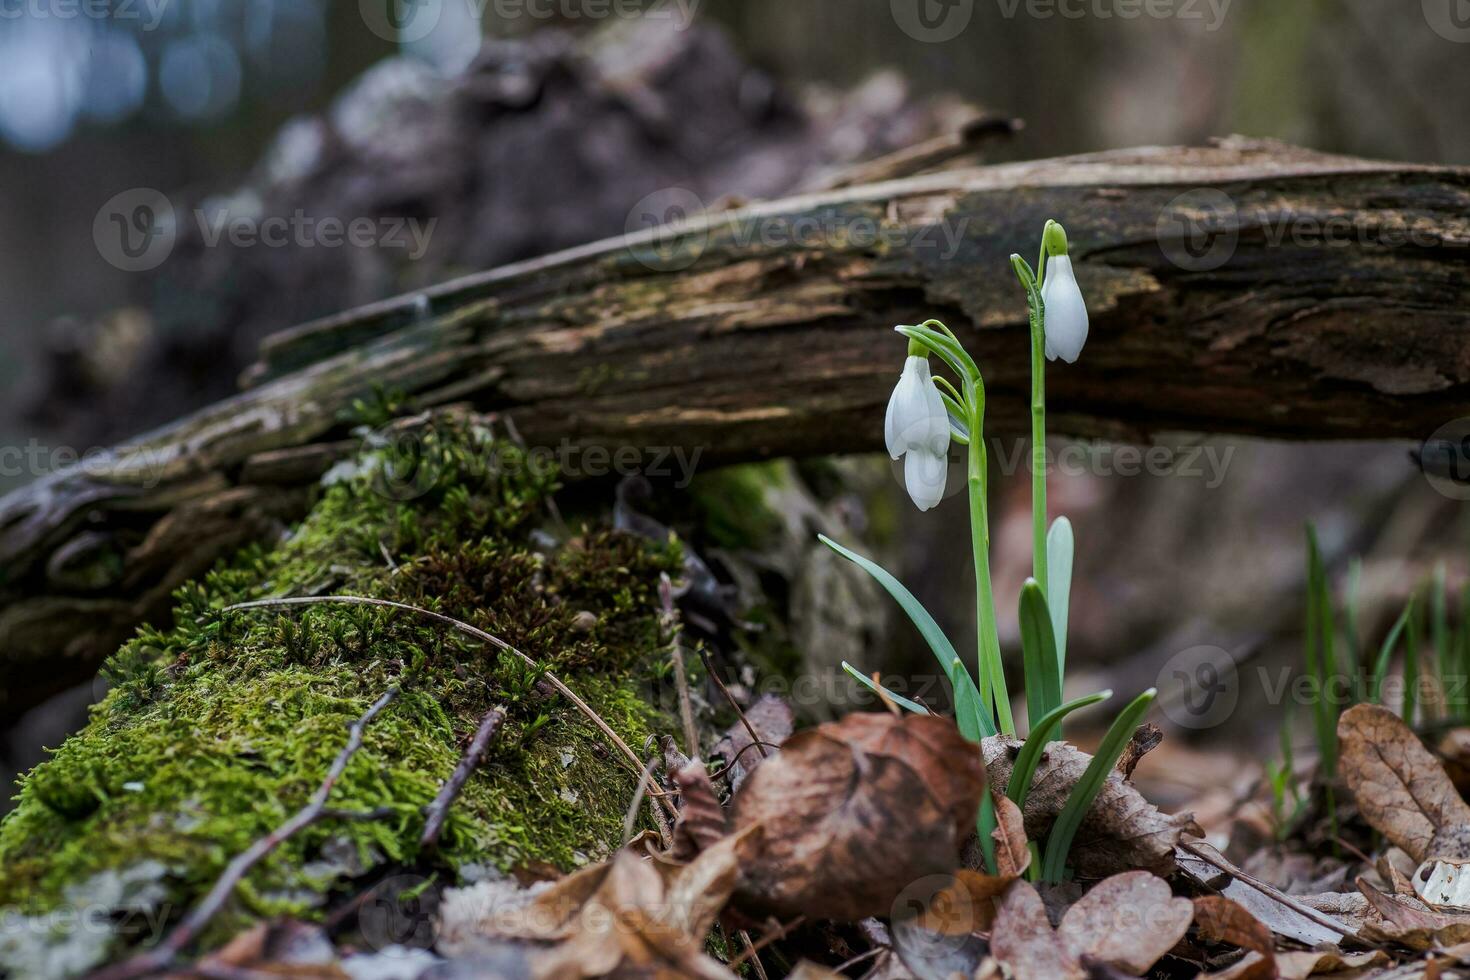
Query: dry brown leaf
x=1012 y=853
x=702 y=820
x=280 y=948
x=1299 y=965
x=772 y=719
x=1406 y=920
x=1144 y=740
x=633 y=915
x=1400 y=787
x=1023 y=940
x=855 y=811
x=1122 y=831
x=1125 y=924
x=1128 y=922
x=1222 y=921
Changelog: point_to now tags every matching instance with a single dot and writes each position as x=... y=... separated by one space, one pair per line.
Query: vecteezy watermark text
x=672 y=229
x=137 y=230
x=408 y=21
x=145 y=14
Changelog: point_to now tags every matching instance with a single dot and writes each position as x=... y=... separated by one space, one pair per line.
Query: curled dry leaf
x=1299 y=965
x=1128 y=922
x=773 y=721
x=633 y=915
x=1407 y=921
x=1012 y=852
x=1023 y=940
x=1400 y=787
x=854 y=811
x=1122 y=831
x=1124 y=924
x=1222 y=921
x=702 y=821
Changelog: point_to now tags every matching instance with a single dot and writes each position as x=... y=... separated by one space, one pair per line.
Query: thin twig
x=670 y=623
x=710 y=669
x=766 y=940
x=468 y=763
x=755 y=961
x=1321 y=918
x=632 y=815
x=160 y=957
x=478 y=634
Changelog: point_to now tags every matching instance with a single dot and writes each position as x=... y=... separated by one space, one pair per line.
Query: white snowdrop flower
x=917 y=428
x=1066 y=313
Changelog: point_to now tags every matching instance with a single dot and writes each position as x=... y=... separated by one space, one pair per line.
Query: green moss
x=218 y=728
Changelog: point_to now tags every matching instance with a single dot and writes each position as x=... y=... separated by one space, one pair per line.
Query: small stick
x=468 y=763
x=710 y=669
x=1301 y=908
x=670 y=619
x=767 y=939
x=755 y=962
x=160 y=957
x=478 y=634
x=638 y=794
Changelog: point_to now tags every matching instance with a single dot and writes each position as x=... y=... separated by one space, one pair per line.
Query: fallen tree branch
x=468 y=763
x=162 y=956
x=1246 y=287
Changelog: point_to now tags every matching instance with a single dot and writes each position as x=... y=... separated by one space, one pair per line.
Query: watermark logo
x=145 y=14
x=932 y=21
x=677 y=239
x=1445 y=459
x=136 y=230
x=401 y=21
x=1450 y=19
x=1211 y=13
x=1199 y=687
x=399 y=912
x=1199 y=230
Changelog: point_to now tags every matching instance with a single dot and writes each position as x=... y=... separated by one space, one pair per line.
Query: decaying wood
x=766 y=331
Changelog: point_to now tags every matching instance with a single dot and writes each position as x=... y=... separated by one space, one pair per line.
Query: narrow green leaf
x=1411 y=669
x=1351 y=606
x=985 y=825
x=1060 y=545
x=1385 y=654
x=1079 y=801
x=1320 y=656
x=1440 y=632
x=1039 y=653
x=973 y=724
x=1024 y=768
x=897 y=699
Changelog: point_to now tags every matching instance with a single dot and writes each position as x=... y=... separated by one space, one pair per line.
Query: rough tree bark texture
x=1336 y=309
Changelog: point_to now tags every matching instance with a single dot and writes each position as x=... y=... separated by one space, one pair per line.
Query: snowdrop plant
x=926 y=414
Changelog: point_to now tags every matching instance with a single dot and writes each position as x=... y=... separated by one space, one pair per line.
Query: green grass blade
x=973 y=724
x=882 y=691
x=1411 y=669
x=1060 y=546
x=1351 y=608
x=1439 y=631
x=1385 y=654
x=1039 y=653
x=1059 y=841
x=985 y=825
x=1029 y=757
x=1320 y=657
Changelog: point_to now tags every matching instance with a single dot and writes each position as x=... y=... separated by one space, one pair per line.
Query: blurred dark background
x=521 y=126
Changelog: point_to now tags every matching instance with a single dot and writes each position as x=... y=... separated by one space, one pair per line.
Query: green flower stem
x=992 y=671
x=1038 y=443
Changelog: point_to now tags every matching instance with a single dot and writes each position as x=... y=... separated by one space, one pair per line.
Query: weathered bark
x=766 y=331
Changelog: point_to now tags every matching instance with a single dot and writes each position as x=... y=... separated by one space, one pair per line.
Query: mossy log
x=1338 y=309
x=217 y=728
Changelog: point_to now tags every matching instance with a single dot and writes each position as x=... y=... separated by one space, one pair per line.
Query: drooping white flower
x=917 y=428
x=1066 y=313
